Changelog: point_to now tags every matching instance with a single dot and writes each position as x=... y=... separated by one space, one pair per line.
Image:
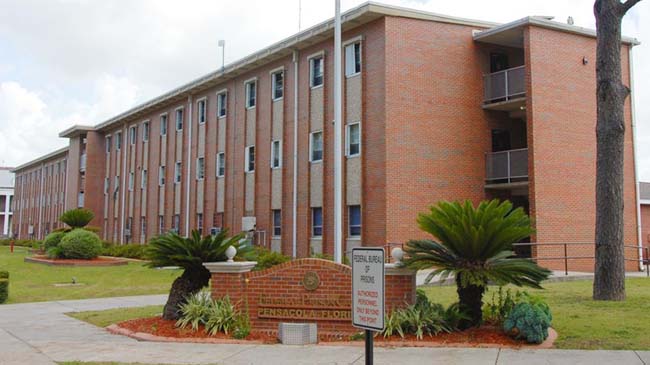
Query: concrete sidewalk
x=40 y=333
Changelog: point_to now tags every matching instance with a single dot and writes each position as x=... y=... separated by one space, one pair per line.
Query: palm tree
x=475 y=246
x=189 y=253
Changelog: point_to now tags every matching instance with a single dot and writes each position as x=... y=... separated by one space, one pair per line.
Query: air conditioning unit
x=248 y=223
x=215 y=231
x=127 y=232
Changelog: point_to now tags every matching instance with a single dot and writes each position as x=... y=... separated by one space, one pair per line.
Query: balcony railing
x=504 y=85
x=506 y=167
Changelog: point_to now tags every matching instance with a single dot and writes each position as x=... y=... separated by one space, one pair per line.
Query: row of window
x=316 y=71
x=354 y=221
x=52 y=169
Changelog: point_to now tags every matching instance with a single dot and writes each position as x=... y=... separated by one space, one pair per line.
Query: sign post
x=368 y=293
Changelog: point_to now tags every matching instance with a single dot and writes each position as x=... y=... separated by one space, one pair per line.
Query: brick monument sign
x=302 y=291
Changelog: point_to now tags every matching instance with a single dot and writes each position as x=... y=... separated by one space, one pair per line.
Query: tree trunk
x=471 y=301
x=609 y=279
x=190 y=282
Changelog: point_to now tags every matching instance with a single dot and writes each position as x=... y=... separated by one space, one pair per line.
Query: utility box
x=298 y=333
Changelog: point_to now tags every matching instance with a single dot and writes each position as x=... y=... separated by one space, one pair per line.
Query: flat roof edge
x=40 y=159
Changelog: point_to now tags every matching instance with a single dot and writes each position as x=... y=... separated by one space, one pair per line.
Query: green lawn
x=586 y=324
x=35 y=283
x=107 y=317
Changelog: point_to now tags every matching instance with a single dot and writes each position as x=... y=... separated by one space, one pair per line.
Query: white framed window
x=201 y=106
x=108 y=147
x=161 y=224
x=249 y=159
x=143 y=179
x=276 y=154
x=317 y=222
x=131 y=180
x=176 y=223
x=316 y=146
x=163 y=125
x=221 y=164
x=107 y=183
x=251 y=94
x=145 y=131
x=353 y=139
x=277 y=222
x=316 y=71
x=118 y=141
x=199 y=223
x=116 y=185
x=222 y=102
x=352 y=59
x=133 y=132
x=200 y=168
x=161 y=176
x=277 y=85
x=354 y=221
x=177 y=173
x=143 y=227
x=179 y=119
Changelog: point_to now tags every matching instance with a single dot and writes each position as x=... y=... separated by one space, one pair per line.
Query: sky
x=67 y=62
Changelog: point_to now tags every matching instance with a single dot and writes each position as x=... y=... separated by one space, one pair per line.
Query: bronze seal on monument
x=311 y=281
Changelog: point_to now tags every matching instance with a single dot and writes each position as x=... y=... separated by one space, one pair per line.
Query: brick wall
x=645 y=225
x=285 y=281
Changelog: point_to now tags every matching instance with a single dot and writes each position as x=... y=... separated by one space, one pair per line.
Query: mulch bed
x=98 y=261
x=158 y=329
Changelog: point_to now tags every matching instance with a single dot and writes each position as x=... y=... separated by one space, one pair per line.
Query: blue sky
x=65 y=62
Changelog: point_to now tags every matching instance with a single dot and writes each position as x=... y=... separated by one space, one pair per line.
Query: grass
x=107 y=317
x=102 y=363
x=31 y=282
x=583 y=323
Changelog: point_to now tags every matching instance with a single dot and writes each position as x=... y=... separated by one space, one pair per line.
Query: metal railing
x=504 y=85
x=506 y=166
x=566 y=258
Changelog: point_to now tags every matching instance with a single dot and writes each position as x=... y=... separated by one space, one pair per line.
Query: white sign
x=368 y=288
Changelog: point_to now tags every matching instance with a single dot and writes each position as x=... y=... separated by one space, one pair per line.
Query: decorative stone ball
x=230 y=253
x=397 y=254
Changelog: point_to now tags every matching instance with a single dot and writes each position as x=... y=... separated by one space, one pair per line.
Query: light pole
x=222 y=44
x=338 y=155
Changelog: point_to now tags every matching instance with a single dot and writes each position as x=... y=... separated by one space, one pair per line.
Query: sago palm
x=475 y=246
x=189 y=253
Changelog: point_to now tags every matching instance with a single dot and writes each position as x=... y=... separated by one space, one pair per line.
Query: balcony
x=506 y=169
x=505 y=90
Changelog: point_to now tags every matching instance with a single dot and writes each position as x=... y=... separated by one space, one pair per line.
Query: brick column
x=400 y=287
x=228 y=278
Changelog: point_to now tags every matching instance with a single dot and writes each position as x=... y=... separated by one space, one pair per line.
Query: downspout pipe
x=294 y=207
x=636 y=161
x=188 y=179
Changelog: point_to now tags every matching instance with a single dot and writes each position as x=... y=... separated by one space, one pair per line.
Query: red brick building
x=435 y=108
x=644 y=194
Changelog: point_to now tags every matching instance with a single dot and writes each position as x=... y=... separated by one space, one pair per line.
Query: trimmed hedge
x=80 y=244
x=52 y=240
x=131 y=250
x=20 y=243
x=4 y=286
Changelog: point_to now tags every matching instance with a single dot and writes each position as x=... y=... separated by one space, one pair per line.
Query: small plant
x=195 y=310
x=77 y=218
x=359 y=336
x=52 y=240
x=79 y=244
x=496 y=310
x=131 y=250
x=4 y=286
x=216 y=316
x=37 y=246
x=242 y=327
x=220 y=317
x=528 y=321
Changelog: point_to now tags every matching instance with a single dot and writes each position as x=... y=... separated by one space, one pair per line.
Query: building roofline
x=75 y=130
x=352 y=18
x=547 y=22
x=40 y=159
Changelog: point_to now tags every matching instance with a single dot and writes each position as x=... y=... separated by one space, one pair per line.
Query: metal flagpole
x=338 y=154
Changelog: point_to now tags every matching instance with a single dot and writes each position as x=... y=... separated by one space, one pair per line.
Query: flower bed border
x=142 y=336
x=105 y=261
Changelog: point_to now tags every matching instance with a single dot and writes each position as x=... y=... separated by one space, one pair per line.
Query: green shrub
x=131 y=250
x=52 y=240
x=221 y=317
x=77 y=218
x=529 y=322
x=216 y=316
x=37 y=245
x=266 y=258
x=325 y=256
x=54 y=253
x=242 y=327
x=194 y=311
x=4 y=286
x=80 y=244
x=18 y=243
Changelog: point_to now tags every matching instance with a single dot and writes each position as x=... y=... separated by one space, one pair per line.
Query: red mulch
x=164 y=328
x=486 y=336
x=98 y=261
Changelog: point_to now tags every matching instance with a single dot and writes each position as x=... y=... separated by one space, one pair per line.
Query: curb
x=147 y=337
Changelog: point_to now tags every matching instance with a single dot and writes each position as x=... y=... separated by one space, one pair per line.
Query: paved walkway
x=40 y=333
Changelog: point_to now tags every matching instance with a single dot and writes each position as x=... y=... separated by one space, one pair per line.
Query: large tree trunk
x=609 y=280
x=471 y=301
x=190 y=282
